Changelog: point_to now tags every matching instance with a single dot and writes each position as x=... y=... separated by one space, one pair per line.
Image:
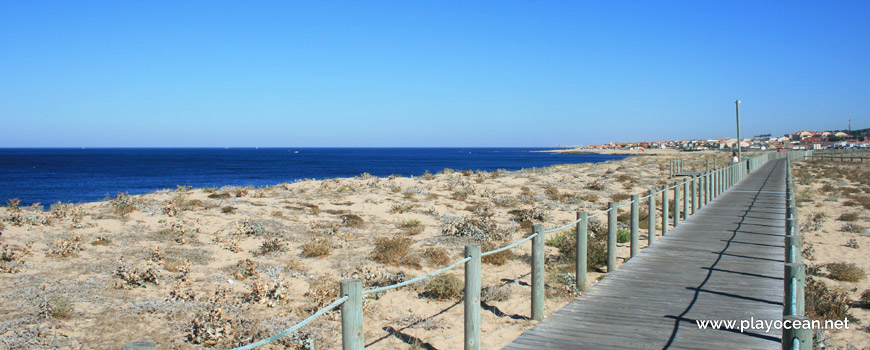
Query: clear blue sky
x=425 y=73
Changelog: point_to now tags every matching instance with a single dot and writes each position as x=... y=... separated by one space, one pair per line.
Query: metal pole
x=739 y=155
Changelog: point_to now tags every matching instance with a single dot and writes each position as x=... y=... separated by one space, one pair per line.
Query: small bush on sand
x=12 y=259
x=852 y=228
x=527 y=217
x=596 y=247
x=401 y=208
x=395 y=251
x=132 y=277
x=623 y=235
x=848 y=272
x=65 y=247
x=228 y=209
x=853 y=216
x=242 y=269
x=316 y=249
x=272 y=245
x=823 y=303
x=865 y=298
x=123 y=204
x=410 y=226
x=495 y=293
x=437 y=256
x=352 y=220
x=56 y=308
x=443 y=287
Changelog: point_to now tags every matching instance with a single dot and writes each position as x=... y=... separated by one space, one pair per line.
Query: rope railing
x=295 y=327
x=708 y=185
x=417 y=279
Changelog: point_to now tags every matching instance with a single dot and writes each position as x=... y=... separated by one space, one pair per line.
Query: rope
x=405 y=283
x=560 y=228
x=622 y=205
x=295 y=327
x=509 y=246
x=599 y=213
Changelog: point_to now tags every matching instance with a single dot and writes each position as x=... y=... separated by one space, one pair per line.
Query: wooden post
x=352 y=336
x=611 y=238
x=792 y=249
x=665 y=208
x=472 y=297
x=797 y=339
x=676 y=204
x=693 y=181
x=685 y=213
x=795 y=277
x=538 y=272
x=580 y=263
x=140 y=345
x=635 y=221
x=651 y=218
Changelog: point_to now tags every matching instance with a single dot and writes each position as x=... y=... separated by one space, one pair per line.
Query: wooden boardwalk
x=724 y=262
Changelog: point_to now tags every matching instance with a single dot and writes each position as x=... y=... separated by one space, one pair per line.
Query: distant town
x=799 y=140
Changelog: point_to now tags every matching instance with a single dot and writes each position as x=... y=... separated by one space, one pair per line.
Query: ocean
x=85 y=175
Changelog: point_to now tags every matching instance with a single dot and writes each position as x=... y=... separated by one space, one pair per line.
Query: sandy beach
x=222 y=267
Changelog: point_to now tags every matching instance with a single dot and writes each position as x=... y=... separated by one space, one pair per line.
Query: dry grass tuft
x=848 y=272
x=410 y=226
x=444 y=287
x=65 y=247
x=352 y=220
x=437 y=256
x=395 y=251
x=316 y=249
x=823 y=303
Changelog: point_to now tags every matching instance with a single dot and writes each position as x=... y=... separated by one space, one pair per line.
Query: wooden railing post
x=538 y=273
x=635 y=223
x=352 y=336
x=665 y=208
x=795 y=279
x=611 y=238
x=472 y=297
x=804 y=336
x=693 y=198
x=685 y=200
x=580 y=267
x=651 y=217
x=676 y=204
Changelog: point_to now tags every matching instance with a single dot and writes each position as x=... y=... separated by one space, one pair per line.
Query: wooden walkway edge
x=724 y=262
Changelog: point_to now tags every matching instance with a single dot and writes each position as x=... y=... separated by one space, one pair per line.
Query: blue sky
x=425 y=73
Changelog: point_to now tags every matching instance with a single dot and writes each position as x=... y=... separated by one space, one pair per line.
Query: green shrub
x=623 y=235
x=444 y=287
x=596 y=247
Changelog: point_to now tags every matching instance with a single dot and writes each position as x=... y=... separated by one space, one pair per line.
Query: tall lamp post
x=739 y=155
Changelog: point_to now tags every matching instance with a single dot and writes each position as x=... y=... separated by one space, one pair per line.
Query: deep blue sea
x=85 y=175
